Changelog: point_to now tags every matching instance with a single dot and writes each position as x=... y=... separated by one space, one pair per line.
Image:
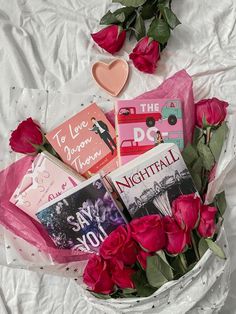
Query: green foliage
x=117 y=17
x=133 y=14
x=159 y=30
x=190 y=154
x=100 y=295
x=158 y=271
x=170 y=18
x=140 y=30
x=215 y=248
x=130 y=3
x=217 y=140
x=202 y=247
x=220 y=202
x=142 y=286
x=149 y=9
x=206 y=155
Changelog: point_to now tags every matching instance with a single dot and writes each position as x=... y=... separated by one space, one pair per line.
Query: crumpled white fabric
x=46 y=45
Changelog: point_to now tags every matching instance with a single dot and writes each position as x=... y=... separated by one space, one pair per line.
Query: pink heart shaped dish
x=112 y=76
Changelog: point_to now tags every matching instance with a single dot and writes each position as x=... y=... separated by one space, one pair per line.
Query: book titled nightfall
x=149 y=184
x=82 y=218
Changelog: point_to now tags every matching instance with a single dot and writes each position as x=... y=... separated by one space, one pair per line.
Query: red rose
x=26 y=134
x=213 y=110
x=97 y=277
x=207 y=225
x=120 y=245
x=145 y=55
x=149 y=232
x=142 y=258
x=122 y=276
x=186 y=209
x=110 y=38
x=177 y=239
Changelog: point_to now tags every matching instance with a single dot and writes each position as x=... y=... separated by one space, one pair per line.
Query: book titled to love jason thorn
x=149 y=184
x=86 y=142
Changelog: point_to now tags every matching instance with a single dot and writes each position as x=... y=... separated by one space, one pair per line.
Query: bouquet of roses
x=131 y=19
x=137 y=259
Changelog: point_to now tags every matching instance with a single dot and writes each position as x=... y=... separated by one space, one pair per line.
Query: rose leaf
x=159 y=30
x=206 y=155
x=139 y=27
x=130 y=3
x=170 y=18
x=202 y=247
x=217 y=140
x=215 y=248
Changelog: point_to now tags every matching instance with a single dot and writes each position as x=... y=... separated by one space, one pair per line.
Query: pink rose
x=177 y=238
x=110 y=38
x=186 y=210
x=26 y=134
x=120 y=245
x=149 y=232
x=207 y=225
x=145 y=55
x=122 y=276
x=142 y=258
x=213 y=110
x=97 y=277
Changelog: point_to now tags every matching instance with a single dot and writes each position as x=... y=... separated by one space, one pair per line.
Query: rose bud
x=96 y=276
x=212 y=110
x=207 y=225
x=26 y=135
x=177 y=239
x=142 y=258
x=120 y=245
x=145 y=55
x=122 y=276
x=149 y=232
x=186 y=210
x=110 y=38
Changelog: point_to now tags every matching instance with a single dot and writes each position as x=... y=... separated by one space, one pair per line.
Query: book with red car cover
x=86 y=142
x=149 y=184
x=82 y=218
x=144 y=123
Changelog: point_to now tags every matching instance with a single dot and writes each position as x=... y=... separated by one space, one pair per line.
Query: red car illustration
x=129 y=115
x=130 y=147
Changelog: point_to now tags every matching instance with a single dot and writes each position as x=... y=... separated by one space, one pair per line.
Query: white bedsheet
x=46 y=44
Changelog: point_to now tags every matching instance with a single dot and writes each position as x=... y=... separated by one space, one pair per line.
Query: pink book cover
x=86 y=142
x=43 y=182
x=144 y=123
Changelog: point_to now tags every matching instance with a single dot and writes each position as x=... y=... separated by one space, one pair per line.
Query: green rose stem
x=195 y=246
x=208 y=135
x=183 y=262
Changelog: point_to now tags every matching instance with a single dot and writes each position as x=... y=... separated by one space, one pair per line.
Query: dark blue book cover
x=82 y=217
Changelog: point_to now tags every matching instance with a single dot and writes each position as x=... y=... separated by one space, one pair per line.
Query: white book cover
x=149 y=184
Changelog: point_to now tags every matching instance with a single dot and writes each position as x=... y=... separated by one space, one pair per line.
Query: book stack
x=107 y=175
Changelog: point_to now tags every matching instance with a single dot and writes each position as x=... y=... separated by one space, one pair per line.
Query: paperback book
x=82 y=218
x=149 y=184
x=144 y=123
x=86 y=142
x=44 y=181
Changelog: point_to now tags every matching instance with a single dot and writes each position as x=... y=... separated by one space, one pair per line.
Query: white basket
x=202 y=290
